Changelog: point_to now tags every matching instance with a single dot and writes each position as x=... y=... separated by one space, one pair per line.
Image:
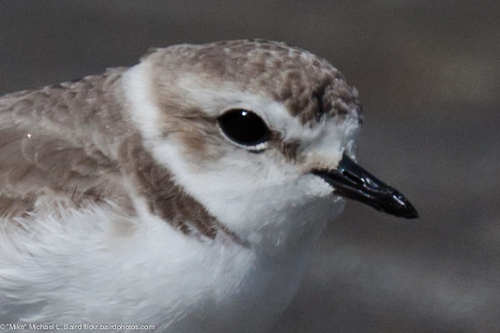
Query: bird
x=184 y=193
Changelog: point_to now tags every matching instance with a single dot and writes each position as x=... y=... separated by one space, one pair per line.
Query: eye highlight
x=244 y=127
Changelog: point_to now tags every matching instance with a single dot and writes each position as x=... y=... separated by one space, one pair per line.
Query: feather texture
x=72 y=142
x=49 y=146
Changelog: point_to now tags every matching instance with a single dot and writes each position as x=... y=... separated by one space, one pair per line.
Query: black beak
x=353 y=182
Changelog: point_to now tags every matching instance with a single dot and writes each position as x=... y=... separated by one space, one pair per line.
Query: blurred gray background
x=428 y=73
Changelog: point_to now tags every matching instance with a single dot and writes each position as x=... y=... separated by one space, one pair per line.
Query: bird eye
x=244 y=127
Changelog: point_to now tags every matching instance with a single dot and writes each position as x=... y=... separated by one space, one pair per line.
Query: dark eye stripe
x=244 y=127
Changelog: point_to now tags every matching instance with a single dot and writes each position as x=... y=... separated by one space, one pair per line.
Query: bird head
x=258 y=132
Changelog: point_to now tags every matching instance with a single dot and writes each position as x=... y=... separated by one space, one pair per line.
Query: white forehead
x=216 y=100
x=324 y=141
x=327 y=135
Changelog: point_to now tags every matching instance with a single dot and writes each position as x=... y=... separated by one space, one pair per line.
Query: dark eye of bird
x=244 y=127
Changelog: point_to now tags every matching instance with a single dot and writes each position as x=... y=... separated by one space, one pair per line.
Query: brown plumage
x=73 y=141
x=307 y=85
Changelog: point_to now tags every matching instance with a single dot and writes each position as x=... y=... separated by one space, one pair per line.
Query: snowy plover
x=185 y=192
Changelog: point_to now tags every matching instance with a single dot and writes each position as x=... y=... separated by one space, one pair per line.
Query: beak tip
x=406 y=211
x=397 y=205
x=412 y=213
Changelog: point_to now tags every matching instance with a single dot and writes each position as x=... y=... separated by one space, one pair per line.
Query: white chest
x=96 y=267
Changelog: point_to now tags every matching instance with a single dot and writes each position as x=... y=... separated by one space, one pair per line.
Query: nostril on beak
x=352 y=177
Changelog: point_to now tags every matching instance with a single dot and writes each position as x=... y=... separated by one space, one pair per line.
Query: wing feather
x=49 y=146
x=70 y=141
